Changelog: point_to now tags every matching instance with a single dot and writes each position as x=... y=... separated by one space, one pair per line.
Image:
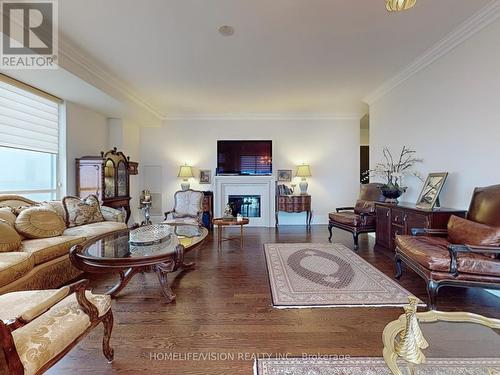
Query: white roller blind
x=28 y=121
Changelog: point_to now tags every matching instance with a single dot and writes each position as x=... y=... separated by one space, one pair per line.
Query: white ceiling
x=286 y=56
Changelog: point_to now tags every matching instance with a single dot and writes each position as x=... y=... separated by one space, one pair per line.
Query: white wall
x=331 y=147
x=450 y=113
x=86 y=134
x=131 y=145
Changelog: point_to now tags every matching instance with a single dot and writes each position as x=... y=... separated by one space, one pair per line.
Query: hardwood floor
x=223 y=309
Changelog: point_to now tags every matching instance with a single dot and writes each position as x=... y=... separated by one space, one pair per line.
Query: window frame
x=58 y=166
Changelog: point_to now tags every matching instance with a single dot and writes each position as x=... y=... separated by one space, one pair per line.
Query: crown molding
x=263 y=116
x=98 y=73
x=467 y=29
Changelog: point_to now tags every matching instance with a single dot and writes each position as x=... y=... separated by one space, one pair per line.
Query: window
x=29 y=142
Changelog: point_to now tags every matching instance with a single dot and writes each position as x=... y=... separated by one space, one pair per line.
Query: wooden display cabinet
x=108 y=177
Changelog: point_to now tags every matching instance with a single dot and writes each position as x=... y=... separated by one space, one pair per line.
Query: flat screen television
x=252 y=158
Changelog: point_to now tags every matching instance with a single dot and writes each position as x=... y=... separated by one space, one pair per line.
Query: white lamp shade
x=303 y=171
x=185 y=171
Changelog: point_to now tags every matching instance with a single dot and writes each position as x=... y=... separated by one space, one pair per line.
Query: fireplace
x=246 y=205
x=239 y=187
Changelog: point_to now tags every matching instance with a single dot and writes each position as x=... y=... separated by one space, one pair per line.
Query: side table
x=221 y=223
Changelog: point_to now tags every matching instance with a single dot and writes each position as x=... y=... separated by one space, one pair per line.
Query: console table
x=294 y=204
x=400 y=219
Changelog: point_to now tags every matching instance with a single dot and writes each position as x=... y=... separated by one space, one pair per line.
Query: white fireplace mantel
x=247 y=185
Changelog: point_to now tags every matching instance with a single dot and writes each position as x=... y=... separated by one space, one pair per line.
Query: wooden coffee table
x=112 y=252
x=221 y=223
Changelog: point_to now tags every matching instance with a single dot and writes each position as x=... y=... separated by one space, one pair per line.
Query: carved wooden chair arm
x=168 y=213
x=455 y=249
x=88 y=307
x=428 y=232
x=365 y=214
x=339 y=209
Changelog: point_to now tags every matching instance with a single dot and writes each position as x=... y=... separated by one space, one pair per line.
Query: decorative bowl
x=150 y=235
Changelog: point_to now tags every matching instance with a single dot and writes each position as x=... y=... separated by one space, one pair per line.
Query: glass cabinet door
x=122 y=179
x=90 y=180
x=109 y=179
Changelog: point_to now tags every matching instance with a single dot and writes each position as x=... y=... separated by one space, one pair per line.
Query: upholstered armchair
x=37 y=328
x=361 y=218
x=467 y=254
x=188 y=208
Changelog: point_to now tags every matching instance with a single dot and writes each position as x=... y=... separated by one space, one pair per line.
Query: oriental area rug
x=327 y=275
x=373 y=366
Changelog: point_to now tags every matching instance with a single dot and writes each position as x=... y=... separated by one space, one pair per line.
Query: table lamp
x=303 y=171
x=185 y=172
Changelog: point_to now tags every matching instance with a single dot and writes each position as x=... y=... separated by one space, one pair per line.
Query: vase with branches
x=393 y=171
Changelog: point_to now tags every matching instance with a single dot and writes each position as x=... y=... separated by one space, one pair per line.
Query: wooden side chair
x=358 y=219
x=37 y=328
x=188 y=208
x=465 y=255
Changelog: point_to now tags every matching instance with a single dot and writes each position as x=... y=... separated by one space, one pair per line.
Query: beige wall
x=450 y=113
x=86 y=134
x=330 y=146
x=89 y=133
x=365 y=130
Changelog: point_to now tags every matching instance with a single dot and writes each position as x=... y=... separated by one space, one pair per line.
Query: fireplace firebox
x=246 y=205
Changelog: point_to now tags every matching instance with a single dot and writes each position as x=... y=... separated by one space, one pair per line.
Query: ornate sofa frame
x=10 y=351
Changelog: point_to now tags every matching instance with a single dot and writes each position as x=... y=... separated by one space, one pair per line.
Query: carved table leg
x=107 y=322
x=219 y=237
x=162 y=270
x=124 y=280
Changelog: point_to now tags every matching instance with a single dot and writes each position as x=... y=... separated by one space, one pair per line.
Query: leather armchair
x=57 y=318
x=465 y=255
x=188 y=208
x=360 y=218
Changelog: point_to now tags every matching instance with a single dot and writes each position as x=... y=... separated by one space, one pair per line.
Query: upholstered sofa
x=44 y=263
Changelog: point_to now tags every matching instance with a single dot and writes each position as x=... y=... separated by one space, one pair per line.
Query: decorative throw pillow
x=39 y=222
x=9 y=238
x=82 y=211
x=366 y=207
x=7 y=215
x=56 y=206
x=466 y=232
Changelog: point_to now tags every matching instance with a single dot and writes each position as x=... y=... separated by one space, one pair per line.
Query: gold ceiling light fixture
x=399 y=5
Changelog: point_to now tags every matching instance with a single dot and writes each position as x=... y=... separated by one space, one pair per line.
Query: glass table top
x=117 y=246
x=460 y=340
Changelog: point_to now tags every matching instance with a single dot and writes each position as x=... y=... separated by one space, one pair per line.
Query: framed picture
x=285 y=175
x=205 y=176
x=430 y=192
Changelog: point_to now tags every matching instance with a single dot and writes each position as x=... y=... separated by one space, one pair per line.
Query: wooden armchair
x=37 y=328
x=358 y=219
x=188 y=208
x=465 y=255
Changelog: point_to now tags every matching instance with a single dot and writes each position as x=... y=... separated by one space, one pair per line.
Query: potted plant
x=394 y=170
